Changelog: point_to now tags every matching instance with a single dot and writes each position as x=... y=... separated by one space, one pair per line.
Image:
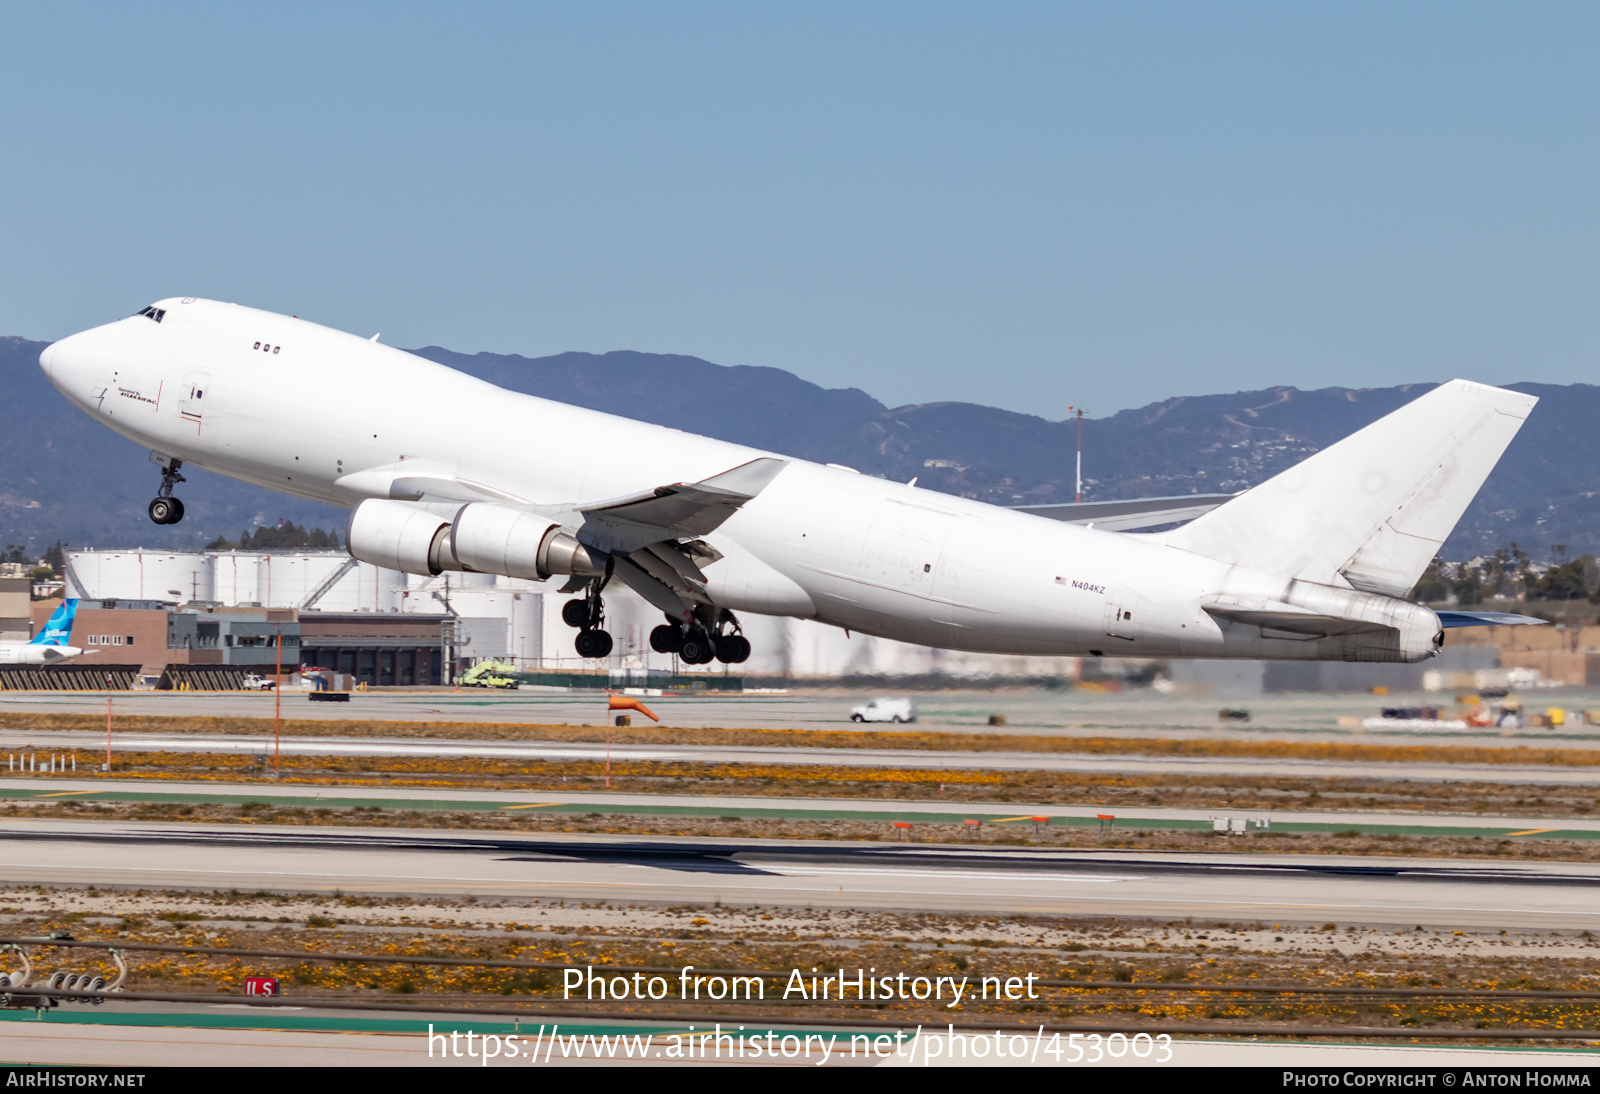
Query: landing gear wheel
x=575 y=613
x=697 y=649
x=666 y=639
x=733 y=649
x=593 y=643
x=166 y=510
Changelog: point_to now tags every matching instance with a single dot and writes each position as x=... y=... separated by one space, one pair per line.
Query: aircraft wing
x=645 y=533
x=1121 y=516
x=676 y=511
x=691 y=508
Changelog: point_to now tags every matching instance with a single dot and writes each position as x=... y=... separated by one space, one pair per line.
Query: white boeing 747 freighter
x=446 y=472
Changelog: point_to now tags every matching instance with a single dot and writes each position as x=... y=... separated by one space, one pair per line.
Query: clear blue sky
x=1014 y=204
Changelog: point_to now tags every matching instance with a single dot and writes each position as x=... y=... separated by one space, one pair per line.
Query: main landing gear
x=697 y=645
x=588 y=615
x=164 y=508
x=694 y=642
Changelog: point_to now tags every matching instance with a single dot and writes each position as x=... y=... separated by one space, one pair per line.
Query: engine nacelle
x=401 y=535
x=500 y=539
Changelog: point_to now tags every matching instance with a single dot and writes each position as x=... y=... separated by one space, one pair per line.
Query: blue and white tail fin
x=58 y=629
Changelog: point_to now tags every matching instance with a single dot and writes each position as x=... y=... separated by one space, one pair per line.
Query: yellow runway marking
x=1532 y=832
x=66 y=793
x=537 y=805
x=997 y=820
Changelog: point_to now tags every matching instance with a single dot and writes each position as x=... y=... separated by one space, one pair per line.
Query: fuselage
x=28 y=653
x=310 y=411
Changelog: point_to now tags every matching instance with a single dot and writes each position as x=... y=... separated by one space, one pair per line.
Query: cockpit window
x=153 y=312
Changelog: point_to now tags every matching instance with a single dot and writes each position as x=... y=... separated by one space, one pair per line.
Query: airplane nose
x=73 y=362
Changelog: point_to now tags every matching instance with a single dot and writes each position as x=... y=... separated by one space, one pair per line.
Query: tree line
x=286 y=535
x=1510 y=573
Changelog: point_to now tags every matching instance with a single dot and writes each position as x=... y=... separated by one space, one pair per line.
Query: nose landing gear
x=164 y=508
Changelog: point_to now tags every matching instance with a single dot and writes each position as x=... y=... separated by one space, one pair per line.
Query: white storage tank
x=286 y=578
x=236 y=577
x=139 y=574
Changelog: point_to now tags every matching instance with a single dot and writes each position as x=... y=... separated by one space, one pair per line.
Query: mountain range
x=70 y=479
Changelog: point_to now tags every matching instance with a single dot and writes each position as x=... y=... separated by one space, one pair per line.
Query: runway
x=563 y=752
x=1027 y=712
x=907 y=877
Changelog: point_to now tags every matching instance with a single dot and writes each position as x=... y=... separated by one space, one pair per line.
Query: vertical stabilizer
x=1371 y=511
x=58 y=628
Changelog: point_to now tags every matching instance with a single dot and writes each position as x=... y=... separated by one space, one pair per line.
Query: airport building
x=385 y=627
x=15 y=595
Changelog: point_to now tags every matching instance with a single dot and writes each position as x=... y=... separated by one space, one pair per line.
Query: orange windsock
x=625 y=702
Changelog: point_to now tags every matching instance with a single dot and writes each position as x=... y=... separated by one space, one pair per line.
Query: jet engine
x=482 y=537
x=500 y=539
x=402 y=535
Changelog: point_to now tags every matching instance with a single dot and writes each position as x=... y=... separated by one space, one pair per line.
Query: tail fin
x=1372 y=510
x=58 y=629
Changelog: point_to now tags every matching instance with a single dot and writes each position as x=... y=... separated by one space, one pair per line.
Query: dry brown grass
x=1134 y=954
x=807 y=828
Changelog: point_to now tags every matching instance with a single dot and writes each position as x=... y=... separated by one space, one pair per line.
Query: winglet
x=748 y=478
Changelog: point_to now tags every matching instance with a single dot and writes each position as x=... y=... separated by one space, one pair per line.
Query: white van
x=885 y=710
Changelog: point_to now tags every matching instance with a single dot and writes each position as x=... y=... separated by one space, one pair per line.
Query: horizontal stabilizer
x=1486 y=619
x=1120 y=516
x=1305 y=626
x=1370 y=512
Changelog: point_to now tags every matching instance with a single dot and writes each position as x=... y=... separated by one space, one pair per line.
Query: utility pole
x=1077 y=412
x=277 y=704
